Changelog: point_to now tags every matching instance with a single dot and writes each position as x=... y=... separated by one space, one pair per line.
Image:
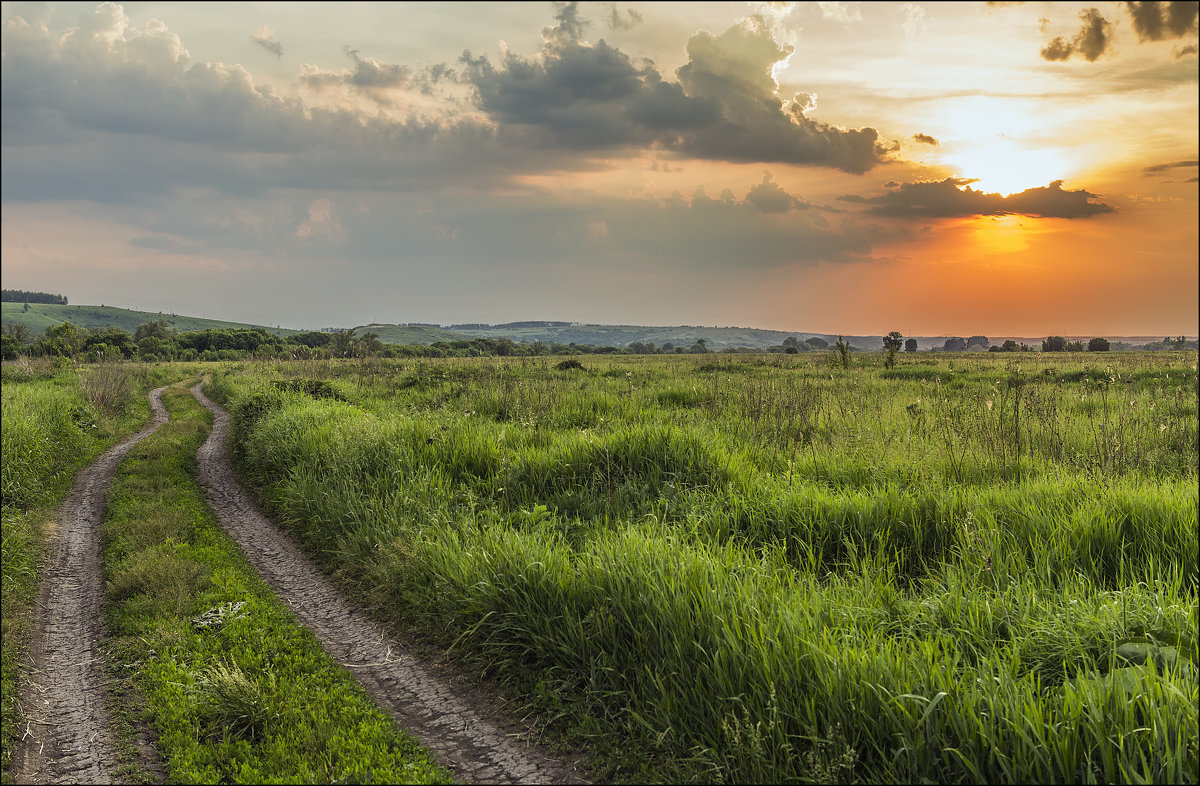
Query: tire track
x=62 y=695
x=464 y=734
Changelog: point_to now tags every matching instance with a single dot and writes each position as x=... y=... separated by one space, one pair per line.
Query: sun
x=1002 y=166
x=999 y=142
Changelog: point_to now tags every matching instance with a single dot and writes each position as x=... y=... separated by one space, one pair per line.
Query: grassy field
x=43 y=315
x=56 y=419
x=773 y=569
x=245 y=695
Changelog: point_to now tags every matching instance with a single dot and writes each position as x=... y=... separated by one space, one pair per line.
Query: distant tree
x=843 y=352
x=9 y=346
x=791 y=341
x=700 y=347
x=910 y=345
x=19 y=331
x=893 y=341
x=159 y=328
x=817 y=342
x=1010 y=346
x=1098 y=345
x=957 y=344
x=668 y=346
x=23 y=296
x=1074 y=346
x=62 y=339
x=1054 y=344
x=978 y=341
x=25 y=310
x=159 y=348
x=343 y=342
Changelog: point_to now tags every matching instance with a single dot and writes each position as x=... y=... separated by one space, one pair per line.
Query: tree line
x=21 y=296
x=157 y=340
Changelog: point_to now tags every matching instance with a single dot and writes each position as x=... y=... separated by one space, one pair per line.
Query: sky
x=1006 y=169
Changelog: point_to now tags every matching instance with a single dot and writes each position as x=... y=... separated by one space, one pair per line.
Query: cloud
x=631 y=19
x=954 y=198
x=263 y=38
x=768 y=197
x=1161 y=21
x=914 y=19
x=321 y=223
x=369 y=77
x=724 y=106
x=925 y=139
x=1183 y=51
x=1092 y=41
x=1158 y=168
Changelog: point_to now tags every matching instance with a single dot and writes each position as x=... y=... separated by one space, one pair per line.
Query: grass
x=199 y=648
x=771 y=569
x=51 y=429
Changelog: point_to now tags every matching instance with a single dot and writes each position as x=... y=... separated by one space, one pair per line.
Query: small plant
x=235 y=702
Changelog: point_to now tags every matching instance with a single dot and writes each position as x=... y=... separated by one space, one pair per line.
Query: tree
x=700 y=347
x=1010 y=346
x=893 y=341
x=817 y=342
x=978 y=341
x=1098 y=345
x=159 y=328
x=910 y=345
x=957 y=344
x=1054 y=344
x=61 y=339
x=343 y=342
x=843 y=351
x=1074 y=346
x=19 y=331
x=791 y=341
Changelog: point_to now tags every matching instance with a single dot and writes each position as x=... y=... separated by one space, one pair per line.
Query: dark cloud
x=616 y=21
x=724 y=105
x=1157 y=168
x=370 y=78
x=1183 y=51
x=768 y=197
x=263 y=38
x=1162 y=21
x=954 y=198
x=1092 y=41
x=925 y=139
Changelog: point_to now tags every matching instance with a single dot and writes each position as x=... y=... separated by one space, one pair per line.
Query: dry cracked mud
x=464 y=729
x=62 y=696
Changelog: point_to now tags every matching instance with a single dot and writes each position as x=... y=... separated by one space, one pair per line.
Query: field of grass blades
x=199 y=648
x=790 y=573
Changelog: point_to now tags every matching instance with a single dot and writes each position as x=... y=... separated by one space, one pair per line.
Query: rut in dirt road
x=66 y=737
x=465 y=736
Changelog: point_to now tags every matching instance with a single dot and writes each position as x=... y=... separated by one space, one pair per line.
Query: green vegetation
x=41 y=316
x=23 y=296
x=757 y=568
x=237 y=691
x=55 y=420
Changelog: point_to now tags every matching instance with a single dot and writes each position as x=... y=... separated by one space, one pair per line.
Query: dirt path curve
x=62 y=694
x=465 y=734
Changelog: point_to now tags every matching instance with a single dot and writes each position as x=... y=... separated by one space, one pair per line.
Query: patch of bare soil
x=62 y=696
x=465 y=729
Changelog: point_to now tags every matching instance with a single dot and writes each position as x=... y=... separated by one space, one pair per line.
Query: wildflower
x=989 y=405
x=1162 y=427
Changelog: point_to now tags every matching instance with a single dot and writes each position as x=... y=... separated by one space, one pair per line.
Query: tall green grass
x=764 y=570
x=54 y=419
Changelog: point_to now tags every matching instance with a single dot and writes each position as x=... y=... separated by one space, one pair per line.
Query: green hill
x=405 y=334
x=41 y=316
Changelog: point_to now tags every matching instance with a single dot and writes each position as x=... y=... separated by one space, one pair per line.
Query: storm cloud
x=1154 y=21
x=725 y=105
x=1092 y=41
x=954 y=198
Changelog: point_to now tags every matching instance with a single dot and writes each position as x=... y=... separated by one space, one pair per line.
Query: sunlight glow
x=1003 y=166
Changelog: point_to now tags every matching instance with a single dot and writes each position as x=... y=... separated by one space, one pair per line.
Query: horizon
x=996 y=169
x=507 y=323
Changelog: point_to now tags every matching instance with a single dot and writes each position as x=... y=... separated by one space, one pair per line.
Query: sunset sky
x=934 y=168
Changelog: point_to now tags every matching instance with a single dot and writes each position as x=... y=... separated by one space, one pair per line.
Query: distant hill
x=42 y=315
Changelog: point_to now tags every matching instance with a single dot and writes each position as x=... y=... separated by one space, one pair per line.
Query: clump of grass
x=109 y=387
x=239 y=705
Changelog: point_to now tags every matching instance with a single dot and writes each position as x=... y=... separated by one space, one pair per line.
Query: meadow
x=771 y=568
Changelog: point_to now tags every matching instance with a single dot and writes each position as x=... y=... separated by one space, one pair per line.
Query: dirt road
x=66 y=736
x=465 y=731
